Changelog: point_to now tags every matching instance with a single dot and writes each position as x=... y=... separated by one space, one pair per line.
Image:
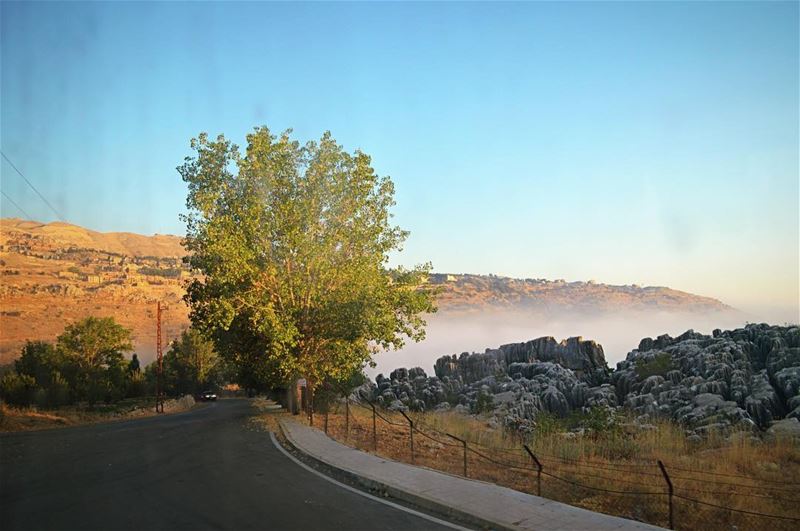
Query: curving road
x=205 y=469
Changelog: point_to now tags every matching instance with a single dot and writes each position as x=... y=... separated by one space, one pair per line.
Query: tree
x=292 y=242
x=46 y=365
x=39 y=360
x=190 y=364
x=95 y=347
x=133 y=365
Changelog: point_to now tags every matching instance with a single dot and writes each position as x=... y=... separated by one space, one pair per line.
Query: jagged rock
x=397 y=406
x=731 y=380
x=584 y=357
x=554 y=401
x=785 y=428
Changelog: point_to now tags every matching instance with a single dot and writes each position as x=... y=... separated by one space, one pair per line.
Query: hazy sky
x=650 y=143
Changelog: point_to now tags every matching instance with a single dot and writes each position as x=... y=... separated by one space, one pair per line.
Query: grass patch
x=741 y=474
x=33 y=418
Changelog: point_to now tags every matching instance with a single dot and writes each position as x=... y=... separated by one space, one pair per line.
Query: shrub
x=58 y=392
x=599 y=420
x=547 y=424
x=137 y=386
x=18 y=389
x=659 y=365
x=484 y=403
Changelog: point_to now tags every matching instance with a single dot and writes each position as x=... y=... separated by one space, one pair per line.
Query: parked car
x=208 y=395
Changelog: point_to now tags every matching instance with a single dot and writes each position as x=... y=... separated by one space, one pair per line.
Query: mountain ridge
x=52 y=274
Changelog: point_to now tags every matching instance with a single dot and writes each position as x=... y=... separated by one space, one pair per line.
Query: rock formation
x=744 y=378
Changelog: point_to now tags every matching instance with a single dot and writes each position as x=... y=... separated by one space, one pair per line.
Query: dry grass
x=614 y=473
x=32 y=418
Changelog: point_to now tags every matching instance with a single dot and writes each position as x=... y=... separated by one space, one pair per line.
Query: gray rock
x=789 y=428
x=730 y=381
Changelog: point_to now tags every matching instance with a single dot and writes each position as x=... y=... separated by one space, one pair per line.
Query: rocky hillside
x=748 y=377
x=538 y=295
x=53 y=274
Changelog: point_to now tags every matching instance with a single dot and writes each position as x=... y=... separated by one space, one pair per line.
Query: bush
x=157 y=272
x=137 y=386
x=599 y=420
x=659 y=365
x=484 y=403
x=58 y=392
x=547 y=424
x=18 y=389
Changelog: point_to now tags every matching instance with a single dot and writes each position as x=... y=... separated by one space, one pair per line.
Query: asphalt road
x=204 y=469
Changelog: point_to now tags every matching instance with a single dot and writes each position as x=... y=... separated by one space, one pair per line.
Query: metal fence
x=649 y=491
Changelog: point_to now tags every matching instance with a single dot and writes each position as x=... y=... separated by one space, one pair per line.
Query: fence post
x=347 y=418
x=326 y=422
x=669 y=486
x=538 y=471
x=463 y=442
x=410 y=433
x=374 y=429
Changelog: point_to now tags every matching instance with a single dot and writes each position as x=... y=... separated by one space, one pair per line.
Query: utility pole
x=160 y=359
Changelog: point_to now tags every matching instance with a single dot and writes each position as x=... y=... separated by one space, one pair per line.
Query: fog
x=474 y=332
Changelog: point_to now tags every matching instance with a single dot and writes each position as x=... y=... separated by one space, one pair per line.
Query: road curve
x=204 y=469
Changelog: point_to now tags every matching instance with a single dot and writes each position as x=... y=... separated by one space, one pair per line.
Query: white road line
x=362 y=493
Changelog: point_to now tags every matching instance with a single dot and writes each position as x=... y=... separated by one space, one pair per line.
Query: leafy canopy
x=95 y=342
x=292 y=242
x=191 y=363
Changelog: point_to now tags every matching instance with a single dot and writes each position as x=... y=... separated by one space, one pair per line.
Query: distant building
x=441 y=278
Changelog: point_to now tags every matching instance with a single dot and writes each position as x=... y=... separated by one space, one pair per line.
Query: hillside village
x=53 y=274
x=49 y=279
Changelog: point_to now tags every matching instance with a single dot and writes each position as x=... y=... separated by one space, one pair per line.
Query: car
x=208 y=395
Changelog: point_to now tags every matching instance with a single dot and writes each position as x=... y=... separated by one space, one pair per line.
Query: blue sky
x=650 y=143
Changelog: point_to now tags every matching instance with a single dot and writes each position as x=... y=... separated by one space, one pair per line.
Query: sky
x=647 y=143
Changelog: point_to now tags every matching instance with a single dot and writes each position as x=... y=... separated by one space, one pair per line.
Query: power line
x=16 y=205
x=58 y=215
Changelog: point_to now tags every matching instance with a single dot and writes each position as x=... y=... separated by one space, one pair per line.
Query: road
x=204 y=469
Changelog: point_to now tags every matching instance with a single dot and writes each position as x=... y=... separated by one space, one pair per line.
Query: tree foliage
x=86 y=364
x=191 y=364
x=292 y=242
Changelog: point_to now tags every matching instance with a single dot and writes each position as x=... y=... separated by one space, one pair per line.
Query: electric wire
x=43 y=198
x=28 y=216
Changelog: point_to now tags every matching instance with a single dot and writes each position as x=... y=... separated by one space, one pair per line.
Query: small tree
x=39 y=360
x=190 y=364
x=18 y=389
x=95 y=347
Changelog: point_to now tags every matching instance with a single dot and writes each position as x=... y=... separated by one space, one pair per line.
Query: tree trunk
x=310 y=387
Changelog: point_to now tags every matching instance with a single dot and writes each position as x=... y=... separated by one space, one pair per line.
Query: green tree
x=292 y=242
x=39 y=360
x=190 y=364
x=95 y=347
x=18 y=389
x=46 y=365
x=133 y=365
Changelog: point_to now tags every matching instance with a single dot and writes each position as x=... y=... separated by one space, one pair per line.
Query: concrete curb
x=387 y=490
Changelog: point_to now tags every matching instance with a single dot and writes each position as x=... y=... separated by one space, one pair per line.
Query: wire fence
x=647 y=491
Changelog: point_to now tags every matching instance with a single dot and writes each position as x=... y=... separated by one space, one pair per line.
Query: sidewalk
x=475 y=502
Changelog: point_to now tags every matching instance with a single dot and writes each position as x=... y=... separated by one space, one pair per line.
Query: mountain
x=470 y=292
x=56 y=273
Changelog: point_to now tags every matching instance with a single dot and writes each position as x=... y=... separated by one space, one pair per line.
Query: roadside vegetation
x=611 y=467
x=291 y=243
x=87 y=376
